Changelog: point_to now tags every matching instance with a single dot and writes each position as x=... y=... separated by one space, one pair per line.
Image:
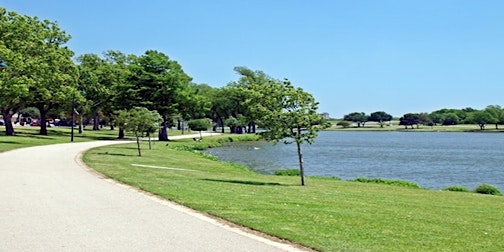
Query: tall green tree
x=97 y=79
x=40 y=70
x=155 y=82
x=286 y=113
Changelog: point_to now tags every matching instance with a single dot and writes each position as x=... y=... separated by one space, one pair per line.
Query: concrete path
x=49 y=201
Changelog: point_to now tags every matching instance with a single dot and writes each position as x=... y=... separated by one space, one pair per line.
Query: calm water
x=431 y=159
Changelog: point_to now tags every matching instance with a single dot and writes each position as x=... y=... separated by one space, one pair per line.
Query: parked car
x=35 y=123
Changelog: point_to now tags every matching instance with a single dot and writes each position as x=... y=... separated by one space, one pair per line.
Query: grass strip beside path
x=327 y=214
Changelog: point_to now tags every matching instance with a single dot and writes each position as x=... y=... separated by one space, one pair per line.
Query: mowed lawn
x=327 y=214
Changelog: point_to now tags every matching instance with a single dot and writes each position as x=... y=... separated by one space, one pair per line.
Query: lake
x=433 y=160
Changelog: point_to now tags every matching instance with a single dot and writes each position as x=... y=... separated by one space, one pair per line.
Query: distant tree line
x=491 y=115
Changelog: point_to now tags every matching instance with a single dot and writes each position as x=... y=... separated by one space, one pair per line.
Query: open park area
x=326 y=214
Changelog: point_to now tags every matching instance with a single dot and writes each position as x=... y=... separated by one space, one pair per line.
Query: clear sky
x=353 y=55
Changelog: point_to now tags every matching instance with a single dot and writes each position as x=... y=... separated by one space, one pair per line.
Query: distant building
x=326 y=116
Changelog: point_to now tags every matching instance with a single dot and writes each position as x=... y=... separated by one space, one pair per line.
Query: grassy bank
x=373 y=126
x=327 y=214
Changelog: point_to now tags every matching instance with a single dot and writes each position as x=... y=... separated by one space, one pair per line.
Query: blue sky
x=352 y=55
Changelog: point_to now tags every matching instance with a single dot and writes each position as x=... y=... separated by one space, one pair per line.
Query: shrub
x=288 y=172
x=344 y=124
x=487 y=189
x=456 y=189
x=387 y=182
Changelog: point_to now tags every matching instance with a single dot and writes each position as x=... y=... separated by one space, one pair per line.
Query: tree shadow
x=113 y=154
x=245 y=182
x=10 y=142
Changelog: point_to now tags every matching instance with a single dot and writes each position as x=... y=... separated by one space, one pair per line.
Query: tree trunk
x=121 y=133
x=150 y=145
x=200 y=136
x=222 y=126
x=300 y=156
x=496 y=126
x=43 y=125
x=9 y=128
x=138 y=146
x=96 y=120
x=163 y=132
x=81 y=126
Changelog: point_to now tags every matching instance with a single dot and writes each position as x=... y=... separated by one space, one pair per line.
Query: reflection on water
x=431 y=159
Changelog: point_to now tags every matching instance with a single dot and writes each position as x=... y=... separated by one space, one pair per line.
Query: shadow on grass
x=245 y=182
x=114 y=154
x=9 y=142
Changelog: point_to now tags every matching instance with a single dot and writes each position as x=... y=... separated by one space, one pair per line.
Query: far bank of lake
x=431 y=159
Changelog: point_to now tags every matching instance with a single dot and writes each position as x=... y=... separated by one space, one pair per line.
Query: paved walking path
x=50 y=202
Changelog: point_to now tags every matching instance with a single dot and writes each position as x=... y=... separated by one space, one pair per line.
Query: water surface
x=431 y=159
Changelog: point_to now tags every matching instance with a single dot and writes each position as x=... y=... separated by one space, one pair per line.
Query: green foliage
x=344 y=124
x=199 y=124
x=387 y=182
x=286 y=113
x=487 y=189
x=139 y=120
x=288 y=172
x=456 y=189
x=40 y=72
x=359 y=117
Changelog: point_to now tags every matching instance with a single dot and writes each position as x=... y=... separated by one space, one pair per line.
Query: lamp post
x=73 y=119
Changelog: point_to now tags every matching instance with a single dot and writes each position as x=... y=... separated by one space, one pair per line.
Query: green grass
x=29 y=136
x=327 y=214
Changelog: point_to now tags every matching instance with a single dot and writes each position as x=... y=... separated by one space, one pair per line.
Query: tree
x=497 y=114
x=481 y=118
x=155 y=81
x=436 y=118
x=379 y=117
x=359 y=117
x=409 y=119
x=286 y=113
x=139 y=120
x=451 y=119
x=40 y=70
x=199 y=125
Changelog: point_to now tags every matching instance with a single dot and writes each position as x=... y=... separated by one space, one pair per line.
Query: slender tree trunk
x=81 y=125
x=9 y=128
x=300 y=156
x=200 y=136
x=138 y=146
x=150 y=145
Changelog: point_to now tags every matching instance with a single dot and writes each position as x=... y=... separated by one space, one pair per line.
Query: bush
x=487 y=189
x=456 y=189
x=344 y=124
x=288 y=172
x=387 y=182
